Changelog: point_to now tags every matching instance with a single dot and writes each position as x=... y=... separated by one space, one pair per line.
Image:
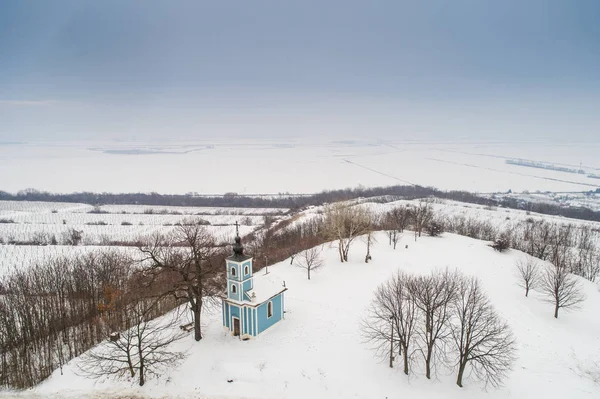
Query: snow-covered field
x=25 y=221
x=129 y=222
x=294 y=165
x=318 y=352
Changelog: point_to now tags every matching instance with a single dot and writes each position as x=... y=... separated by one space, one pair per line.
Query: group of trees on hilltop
x=440 y=319
x=572 y=248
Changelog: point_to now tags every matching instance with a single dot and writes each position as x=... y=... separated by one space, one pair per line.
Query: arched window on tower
x=233 y=271
x=233 y=289
x=246 y=270
x=269 y=309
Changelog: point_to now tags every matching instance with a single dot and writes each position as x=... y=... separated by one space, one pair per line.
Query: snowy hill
x=318 y=351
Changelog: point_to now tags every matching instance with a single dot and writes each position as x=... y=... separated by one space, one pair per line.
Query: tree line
x=295 y=201
x=59 y=308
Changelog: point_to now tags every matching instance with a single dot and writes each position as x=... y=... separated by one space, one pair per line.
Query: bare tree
x=394 y=223
x=345 y=223
x=391 y=320
x=481 y=339
x=560 y=245
x=153 y=341
x=398 y=218
x=114 y=357
x=393 y=236
x=587 y=261
x=433 y=296
x=529 y=275
x=144 y=348
x=187 y=259
x=421 y=214
x=370 y=239
x=561 y=288
x=310 y=259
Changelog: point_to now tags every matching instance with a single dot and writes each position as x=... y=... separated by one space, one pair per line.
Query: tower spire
x=238 y=248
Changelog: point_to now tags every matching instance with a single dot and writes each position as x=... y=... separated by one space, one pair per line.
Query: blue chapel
x=251 y=304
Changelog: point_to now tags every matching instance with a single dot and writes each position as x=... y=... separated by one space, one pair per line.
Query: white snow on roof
x=265 y=286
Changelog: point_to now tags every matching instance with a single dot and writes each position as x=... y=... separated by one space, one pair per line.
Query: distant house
x=251 y=304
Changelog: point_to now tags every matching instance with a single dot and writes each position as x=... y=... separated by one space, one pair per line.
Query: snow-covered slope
x=317 y=351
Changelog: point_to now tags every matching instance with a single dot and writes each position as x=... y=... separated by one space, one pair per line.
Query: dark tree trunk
x=461 y=370
x=428 y=364
x=142 y=368
x=130 y=362
x=197 y=326
x=556 y=307
x=405 y=354
x=345 y=253
x=142 y=381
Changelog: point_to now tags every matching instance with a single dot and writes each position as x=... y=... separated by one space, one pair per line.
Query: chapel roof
x=265 y=287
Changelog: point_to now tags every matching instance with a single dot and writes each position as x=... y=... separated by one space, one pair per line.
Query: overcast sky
x=517 y=69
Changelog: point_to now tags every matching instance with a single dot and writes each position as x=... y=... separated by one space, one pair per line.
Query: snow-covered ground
x=293 y=165
x=498 y=217
x=318 y=352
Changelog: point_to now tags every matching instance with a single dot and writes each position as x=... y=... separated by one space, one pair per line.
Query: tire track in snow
x=514 y=173
x=379 y=172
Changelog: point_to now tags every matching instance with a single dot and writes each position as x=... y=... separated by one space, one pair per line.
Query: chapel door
x=236 y=327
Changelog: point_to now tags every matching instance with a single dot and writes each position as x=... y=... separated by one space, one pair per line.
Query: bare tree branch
x=561 y=288
x=529 y=274
x=391 y=319
x=310 y=259
x=481 y=340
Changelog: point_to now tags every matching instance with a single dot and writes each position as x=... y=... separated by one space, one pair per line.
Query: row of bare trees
x=57 y=309
x=573 y=248
x=441 y=319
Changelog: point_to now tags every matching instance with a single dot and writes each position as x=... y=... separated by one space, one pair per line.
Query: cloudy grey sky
x=472 y=69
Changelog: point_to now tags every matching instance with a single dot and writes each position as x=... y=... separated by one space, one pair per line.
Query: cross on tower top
x=237 y=228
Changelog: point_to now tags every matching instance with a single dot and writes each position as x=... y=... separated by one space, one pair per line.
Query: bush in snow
x=435 y=228
x=502 y=243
